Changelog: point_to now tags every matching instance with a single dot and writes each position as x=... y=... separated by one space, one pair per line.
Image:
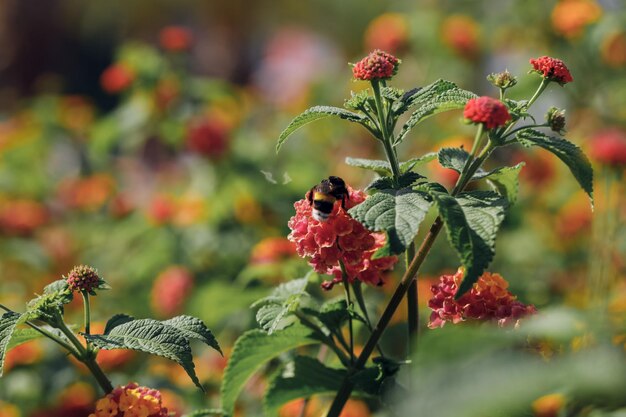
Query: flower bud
x=502 y=80
x=556 y=120
x=378 y=65
x=83 y=278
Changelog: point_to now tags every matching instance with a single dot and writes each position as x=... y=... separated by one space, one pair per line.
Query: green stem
x=540 y=89
x=328 y=341
x=409 y=276
x=358 y=294
x=387 y=143
x=54 y=338
x=87 y=312
x=346 y=288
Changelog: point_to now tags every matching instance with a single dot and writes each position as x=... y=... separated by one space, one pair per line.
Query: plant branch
x=346 y=287
x=87 y=312
x=358 y=294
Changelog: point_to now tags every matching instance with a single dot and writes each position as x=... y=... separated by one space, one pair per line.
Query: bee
x=322 y=197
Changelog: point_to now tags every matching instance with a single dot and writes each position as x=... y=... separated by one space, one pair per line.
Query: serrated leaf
x=472 y=220
x=415 y=162
x=306 y=376
x=380 y=167
x=283 y=301
x=284 y=291
x=117 y=320
x=194 y=328
x=206 y=412
x=405 y=180
x=566 y=151
x=438 y=97
x=60 y=290
x=333 y=313
x=316 y=113
x=505 y=181
x=251 y=351
x=21 y=336
x=149 y=336
x=396 y=212
x=8 y=322
x=272 y=317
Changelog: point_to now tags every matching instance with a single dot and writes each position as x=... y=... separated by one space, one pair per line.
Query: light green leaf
x=405 y=180
x=194 y=328
x=60 y=290
x=21 y=336
x=396 y=212
x=435 y=98
x=380 y=167
x=316 y=113
x=416 y=162
x=8 y=322
x=149 y=336
x=251 y=351
x=566 y=151
x=505 y=181
x=206 y=412
x=472 y=221
x=283 y=301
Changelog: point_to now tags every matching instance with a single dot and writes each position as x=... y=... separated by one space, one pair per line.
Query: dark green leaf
x=415 y=162
x=8 y=322
x=60 y=290
x=505 y=181
x=251 y=351
x=194 y=328
x=149 y=336
x=380 y=167
x=405 y=180
x=206 y=412
x=472 y=221
x=116 y=320
x=566 y=151
x=438 y=97
x=332 y=313
x=316 y=113
x=396 y=212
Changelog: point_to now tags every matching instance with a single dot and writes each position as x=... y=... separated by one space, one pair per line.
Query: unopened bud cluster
x=83 y=278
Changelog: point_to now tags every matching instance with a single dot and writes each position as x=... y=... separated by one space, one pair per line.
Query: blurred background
x=139 y=138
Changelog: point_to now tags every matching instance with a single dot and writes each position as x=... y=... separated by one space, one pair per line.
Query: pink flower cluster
x=552 y=69
x=609 y=147
x=339 y=238
x=131 y=401
x=83 y=278
x=170 y=291
x=378 y=65
x=493 y=113
x=488 y=300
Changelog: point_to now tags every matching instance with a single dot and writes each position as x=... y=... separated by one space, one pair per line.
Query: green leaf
x=380 y=167
x=206 y=412
x=117 y=320
x=301 y=378
x=194 y=328
x=472 y=221
x=396 y=212
x=505 y=181
x=59 y=290
x=21 y=336
x=438 y=97
x=149 y=336
x=566 y=151
x=316 y=113
x=283 y=301
x=8 y=322
x=251 y=351
x=415 y=162
x=405 y=180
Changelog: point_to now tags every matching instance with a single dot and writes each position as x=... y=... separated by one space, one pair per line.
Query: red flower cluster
x=83 y=278
x=609 y=147
x=175 y=38
x=22 y=217
x=116 y=79
x=272 y=249
x=493 y=113
x=170 y=291
x=552 y=69
x=378 y=65
x=131 y=401
x=489 y=299
x=208 y=137
x=339 y=238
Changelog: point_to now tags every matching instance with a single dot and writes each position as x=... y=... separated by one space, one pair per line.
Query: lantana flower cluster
x=131 y=401
x=552 y=69
x=490 y=111
x=339 y=238
x=378 y=65
x=488 y=300
x=83 y=278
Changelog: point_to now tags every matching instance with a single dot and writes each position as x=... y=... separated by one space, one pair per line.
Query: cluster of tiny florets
x=131 y=401
x=493 y=113
x=552 y=69
x=339 y=238
x=488 y=300
x=556 y=119
x=83 y=278
x=378 y=65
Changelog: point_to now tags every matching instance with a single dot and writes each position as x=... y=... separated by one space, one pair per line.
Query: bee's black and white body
x=323 y=196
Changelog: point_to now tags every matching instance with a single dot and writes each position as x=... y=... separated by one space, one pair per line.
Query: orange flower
x=389 y=32
x=116 y=78
x=170 y=290
x=569 y=17
x=22 y=217
x=162 y=209
x=461 y=34
x=88 y=193
x=24 y=354
x=548 y=405
x=272 y=249
x=9 y=410
x=76 y=113
x=613 y=49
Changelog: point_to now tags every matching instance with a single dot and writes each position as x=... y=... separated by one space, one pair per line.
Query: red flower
x=489 y=299
x=272 y=249
x=339 y=238
x=552 y=69
x=22 y=217
x=83 y=278
x=116 y=79
x=175 y=38
x=208 y=137
x=170 y=290
x=378 y=65
x=493 y=113
x=609 y=147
